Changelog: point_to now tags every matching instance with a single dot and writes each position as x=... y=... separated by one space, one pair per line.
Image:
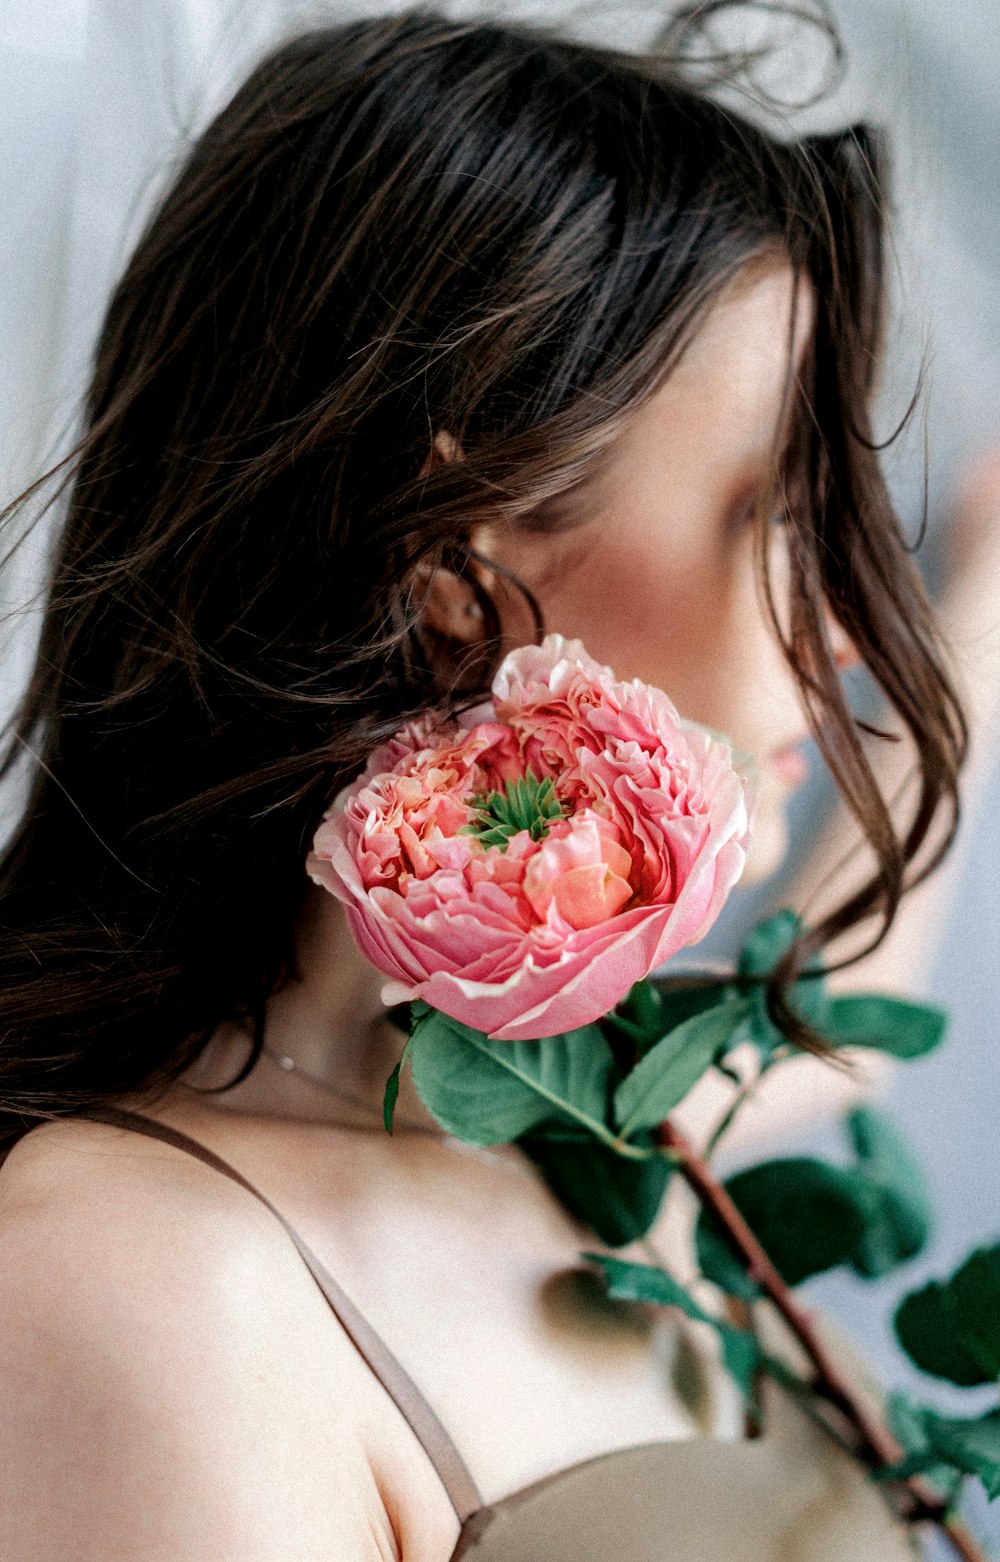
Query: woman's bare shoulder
x=105 y=1210
x=77 y=1168
x=168 y=1369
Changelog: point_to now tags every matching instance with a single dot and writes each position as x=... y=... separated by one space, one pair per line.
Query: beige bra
x=789 y=1496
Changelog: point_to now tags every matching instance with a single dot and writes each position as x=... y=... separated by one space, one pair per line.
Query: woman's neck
x=331 y=1022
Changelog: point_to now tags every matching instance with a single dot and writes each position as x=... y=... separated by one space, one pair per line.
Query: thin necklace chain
x=476 y=1152
x=291 y=1067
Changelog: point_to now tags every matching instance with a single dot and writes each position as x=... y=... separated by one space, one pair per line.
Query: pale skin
x=174 y=1384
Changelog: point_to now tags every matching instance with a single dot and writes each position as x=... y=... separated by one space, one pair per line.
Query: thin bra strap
x=444 y=1456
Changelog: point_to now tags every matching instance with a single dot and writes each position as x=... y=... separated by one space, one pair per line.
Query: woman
x=444 y=331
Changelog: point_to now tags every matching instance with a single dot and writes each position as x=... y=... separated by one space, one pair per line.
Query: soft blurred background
x=97 y=99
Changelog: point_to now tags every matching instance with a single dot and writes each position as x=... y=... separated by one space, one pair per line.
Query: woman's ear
x=451 y=606
x=444 y=449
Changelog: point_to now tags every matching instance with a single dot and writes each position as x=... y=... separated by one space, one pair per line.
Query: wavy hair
x=397 y=226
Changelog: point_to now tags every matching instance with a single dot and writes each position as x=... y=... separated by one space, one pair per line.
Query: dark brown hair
x=397 y=226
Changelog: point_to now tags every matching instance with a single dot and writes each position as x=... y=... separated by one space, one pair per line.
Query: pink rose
x=521 y=867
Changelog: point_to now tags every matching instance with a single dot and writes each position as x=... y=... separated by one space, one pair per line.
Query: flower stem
x=964 y=1543
x=877 y=1443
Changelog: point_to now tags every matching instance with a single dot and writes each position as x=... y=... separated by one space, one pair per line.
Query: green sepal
x=618 y=1199
x=526 y=804
x=668 y=1071
x=810 y=1215
x=951 y=1328
x=490 y=1092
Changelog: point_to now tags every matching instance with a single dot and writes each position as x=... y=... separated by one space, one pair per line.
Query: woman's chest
x=482 y=1294
x=482 y=1297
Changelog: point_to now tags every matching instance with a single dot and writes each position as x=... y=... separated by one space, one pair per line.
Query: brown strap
x=440 y=1450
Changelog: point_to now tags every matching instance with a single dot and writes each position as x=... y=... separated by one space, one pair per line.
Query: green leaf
x=644 y=1283
x=719 y=1261
x=618 y=1199
x=392 y=1087
x=639 y=1017
x=906 y=1421
x=803 y=1212
x=628 y=1282
x=490 y=1092
x=743 y=1360
x=899 y=1218
x=667 y=1072
x=809 y=997
x=972 y=1446
x=905 y=1030
x=763 y=1032
x=684 y=1003
x=952 y=1328
x=768 y=942
x=650 y=1010
x=810 y=1216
